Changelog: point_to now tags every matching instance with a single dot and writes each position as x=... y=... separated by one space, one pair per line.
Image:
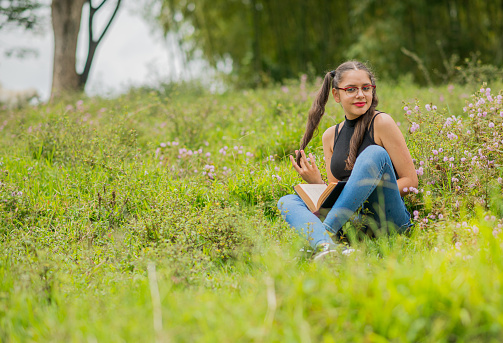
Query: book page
x=313 y=191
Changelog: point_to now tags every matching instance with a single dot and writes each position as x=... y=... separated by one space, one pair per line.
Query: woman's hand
x=307 y=170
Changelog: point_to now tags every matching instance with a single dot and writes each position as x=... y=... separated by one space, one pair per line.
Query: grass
x=152 y=217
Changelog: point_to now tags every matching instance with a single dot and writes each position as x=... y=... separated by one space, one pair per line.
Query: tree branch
x=93 y=44
x=111 y=19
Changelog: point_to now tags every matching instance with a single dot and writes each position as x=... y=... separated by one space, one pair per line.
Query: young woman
x=367 y=150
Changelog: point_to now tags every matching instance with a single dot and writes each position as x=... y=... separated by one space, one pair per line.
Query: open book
x=318 y=196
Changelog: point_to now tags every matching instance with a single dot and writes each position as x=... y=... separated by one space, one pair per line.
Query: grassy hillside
x=152 y=217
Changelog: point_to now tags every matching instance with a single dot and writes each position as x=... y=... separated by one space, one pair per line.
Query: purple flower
x=434 y=107
x=420 y=171
x=428 y=107
x=414 y=127
x=491 y=125
x=435 y=152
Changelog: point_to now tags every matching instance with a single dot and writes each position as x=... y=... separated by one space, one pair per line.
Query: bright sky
x=130 y=54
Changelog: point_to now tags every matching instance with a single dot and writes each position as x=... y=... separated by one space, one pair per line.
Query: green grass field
x=152 y=217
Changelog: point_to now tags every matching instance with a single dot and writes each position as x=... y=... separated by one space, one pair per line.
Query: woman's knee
x=373 y=155
x=284 y=201
x=375 y=152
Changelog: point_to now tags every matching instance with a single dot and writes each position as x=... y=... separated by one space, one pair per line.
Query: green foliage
x=152 y=217
x=264 y=41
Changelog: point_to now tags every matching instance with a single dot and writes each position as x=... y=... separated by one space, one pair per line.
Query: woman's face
x=357 y=103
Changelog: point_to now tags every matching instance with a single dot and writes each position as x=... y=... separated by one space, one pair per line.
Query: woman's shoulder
x=383 y=120
x=329 y=135
x=330 y=132
x=384 y=127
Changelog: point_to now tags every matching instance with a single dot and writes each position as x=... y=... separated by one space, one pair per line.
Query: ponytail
x=316 y=112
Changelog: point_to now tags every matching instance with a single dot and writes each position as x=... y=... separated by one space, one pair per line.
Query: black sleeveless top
x=341 y=146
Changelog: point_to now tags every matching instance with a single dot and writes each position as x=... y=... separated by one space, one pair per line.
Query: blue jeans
x=371 y=186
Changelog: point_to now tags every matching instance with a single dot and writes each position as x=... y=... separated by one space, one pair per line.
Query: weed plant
x=152 y=217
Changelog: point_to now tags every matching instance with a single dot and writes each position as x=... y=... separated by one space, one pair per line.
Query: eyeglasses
x=367 y=89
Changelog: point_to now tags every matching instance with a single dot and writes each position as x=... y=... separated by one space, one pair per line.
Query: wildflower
x=406 y=108
x=475 y=229
x=414 y=127
x=416 y=108
x=440 y=216
x=405 y=190
x=458 y=245
x=451 y=159
x=208 y=154
x=434 y=107
x=454 y=179
x=428 y=107
x=409 y=112
x=428 y=192
x=420 y=171
x=463 y=159
x=491 y=125
x=445 y=159
x=421 y=163
x=500 y=180
x=441 y=150
x=435 y=152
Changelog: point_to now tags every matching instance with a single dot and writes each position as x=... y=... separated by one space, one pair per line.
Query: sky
x=131 y=53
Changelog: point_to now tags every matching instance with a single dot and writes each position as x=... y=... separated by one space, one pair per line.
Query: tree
x=66 y=16
x=279 y=39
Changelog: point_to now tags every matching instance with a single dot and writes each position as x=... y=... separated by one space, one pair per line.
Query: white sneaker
x=326 y=251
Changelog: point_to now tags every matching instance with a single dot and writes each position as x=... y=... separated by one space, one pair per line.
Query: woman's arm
x=388 y=135
x=328 y=143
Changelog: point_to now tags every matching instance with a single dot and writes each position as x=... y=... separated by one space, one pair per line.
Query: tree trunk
x=66 y=16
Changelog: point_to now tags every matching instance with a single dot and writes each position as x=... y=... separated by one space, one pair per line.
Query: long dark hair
x=332 y=80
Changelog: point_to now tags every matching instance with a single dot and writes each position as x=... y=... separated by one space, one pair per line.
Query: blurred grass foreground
x=152 y=217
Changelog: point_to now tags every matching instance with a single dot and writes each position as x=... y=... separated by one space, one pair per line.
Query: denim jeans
x=372 y=187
